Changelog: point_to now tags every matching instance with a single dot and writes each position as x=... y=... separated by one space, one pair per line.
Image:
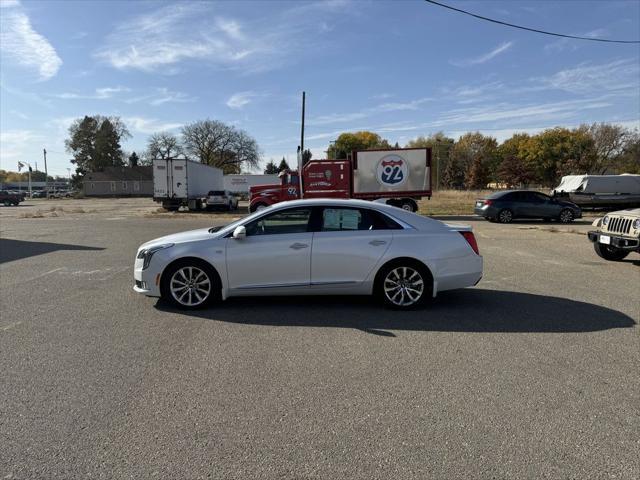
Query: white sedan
x=312 y=247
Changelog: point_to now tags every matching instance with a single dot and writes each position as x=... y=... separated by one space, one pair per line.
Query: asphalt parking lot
x=531 y=374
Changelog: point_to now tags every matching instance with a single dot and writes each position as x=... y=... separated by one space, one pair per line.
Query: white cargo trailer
x=241 y=182
x=178 y=182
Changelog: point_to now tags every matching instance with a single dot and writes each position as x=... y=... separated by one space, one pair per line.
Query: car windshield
x=224 y=229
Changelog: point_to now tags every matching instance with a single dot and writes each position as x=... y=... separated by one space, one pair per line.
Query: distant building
x=119 y=182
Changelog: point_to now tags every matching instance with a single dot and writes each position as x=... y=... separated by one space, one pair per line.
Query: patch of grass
x=451 y=202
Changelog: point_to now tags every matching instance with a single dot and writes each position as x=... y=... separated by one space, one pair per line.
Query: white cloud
x=9 y=3
x=483 y=58
x=588 y=77
x=160 y=40
x=162 y=95
x=149 y=125
x=100 y=94
x=12 y=144
x=163 y=40
x=532 y=112
x=240 y=99
x=23 y=45
x=231 y=28
x=368 y=112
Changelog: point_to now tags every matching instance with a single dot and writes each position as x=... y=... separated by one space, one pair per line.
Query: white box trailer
x=179 y=182
x=241 y=182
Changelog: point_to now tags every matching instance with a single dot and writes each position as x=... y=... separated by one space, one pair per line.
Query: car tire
x=610 y=253
x=7 y=203
x=566 y=216
x=505 y=216
x=408 y=205
x=190 y=284
x=403 y=285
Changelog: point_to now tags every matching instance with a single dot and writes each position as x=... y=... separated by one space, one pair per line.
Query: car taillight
x=471 y=240
x=488 y=202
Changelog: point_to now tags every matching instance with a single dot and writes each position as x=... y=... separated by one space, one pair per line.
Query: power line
x=527 y=28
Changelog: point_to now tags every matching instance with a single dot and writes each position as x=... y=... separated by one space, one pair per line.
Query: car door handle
x=375 y=243
x=299 y=246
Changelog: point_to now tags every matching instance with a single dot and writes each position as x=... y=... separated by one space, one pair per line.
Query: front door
x=349 y=244
x=275 y=255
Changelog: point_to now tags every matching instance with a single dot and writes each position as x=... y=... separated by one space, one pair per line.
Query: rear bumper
x=486 y=211
x=618 y=241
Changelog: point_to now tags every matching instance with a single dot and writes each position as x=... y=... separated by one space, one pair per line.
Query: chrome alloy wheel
x=566 y=216
x=403 y=286
x=190 y=286
x=505 y=216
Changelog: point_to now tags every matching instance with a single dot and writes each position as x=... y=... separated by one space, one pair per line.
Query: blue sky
x=401 y=69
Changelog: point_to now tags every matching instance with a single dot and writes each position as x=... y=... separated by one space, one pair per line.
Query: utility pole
x=46 y=176
x=301 y=151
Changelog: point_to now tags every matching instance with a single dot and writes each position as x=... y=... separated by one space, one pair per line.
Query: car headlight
x=605 y=220
x=636 y=224
x=147 y=253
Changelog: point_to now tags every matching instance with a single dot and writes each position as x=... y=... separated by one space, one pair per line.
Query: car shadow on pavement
x=11 y=250
x=467 y=310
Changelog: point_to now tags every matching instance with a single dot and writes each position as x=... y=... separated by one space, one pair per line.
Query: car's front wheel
x=566 y=216
x=403 y=285
x=189 y=284
x=609 y=253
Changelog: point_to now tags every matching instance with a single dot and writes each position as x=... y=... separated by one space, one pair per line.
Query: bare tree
x=220 y=145
x=610 y=141
x=163 y=145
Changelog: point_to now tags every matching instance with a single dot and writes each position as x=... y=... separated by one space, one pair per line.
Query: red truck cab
x=402 y=176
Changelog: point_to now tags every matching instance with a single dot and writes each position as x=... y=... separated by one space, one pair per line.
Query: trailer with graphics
x=398 y=177
x=179 y=182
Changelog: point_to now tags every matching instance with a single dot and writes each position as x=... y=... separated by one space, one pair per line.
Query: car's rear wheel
x=403 y=285
x=7 y=203
x=189 y=284
x=566 y=216
x=505 y=216
x=608 y=252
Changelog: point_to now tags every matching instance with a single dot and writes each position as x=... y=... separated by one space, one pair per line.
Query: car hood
x=182 y=237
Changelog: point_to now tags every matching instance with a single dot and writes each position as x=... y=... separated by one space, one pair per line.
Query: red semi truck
x=401 y=176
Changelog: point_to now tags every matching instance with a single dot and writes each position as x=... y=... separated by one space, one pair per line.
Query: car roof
x=416 y=221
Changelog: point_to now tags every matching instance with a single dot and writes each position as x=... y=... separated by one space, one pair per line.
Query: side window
x=337 y=219
x=382 y=222
x=539 y=197
x=349 y=219
x=295 y=220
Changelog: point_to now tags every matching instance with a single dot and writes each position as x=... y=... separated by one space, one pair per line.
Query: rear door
x=349 y=244
x=178 y=178
x=161 y=179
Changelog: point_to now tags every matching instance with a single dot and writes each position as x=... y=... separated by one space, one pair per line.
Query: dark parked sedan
x=507 y=205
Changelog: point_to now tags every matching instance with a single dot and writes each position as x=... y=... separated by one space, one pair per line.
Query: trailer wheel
x=409 y=204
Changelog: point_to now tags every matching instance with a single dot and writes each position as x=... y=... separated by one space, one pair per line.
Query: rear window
x=216 y=193
x=501 y=195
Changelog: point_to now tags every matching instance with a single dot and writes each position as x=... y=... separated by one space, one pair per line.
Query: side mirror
x=240 y=232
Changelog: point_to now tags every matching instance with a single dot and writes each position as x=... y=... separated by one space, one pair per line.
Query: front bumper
x=146 y=282
x=617 y=241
